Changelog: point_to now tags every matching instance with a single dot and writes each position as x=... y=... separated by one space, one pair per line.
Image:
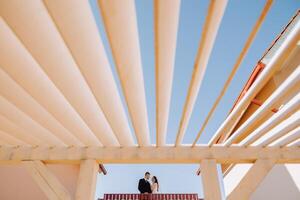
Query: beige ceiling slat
x=280 y=130
x=273 y=66
x=16 y=131
x=28 y=105
x=213 y=20
x=295 y=143
x=35 y=28
x=12 y=113
x=7 y=139
x=287 y=88
x=121 y=27
x=287 y=110
x=166 y=26
x=20 y=66
x=76 y=24
x=237 y=64
x=288 y=138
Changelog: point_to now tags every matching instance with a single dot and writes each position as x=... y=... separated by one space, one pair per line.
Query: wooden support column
x=210 y=180
x=251 y=180
x=48 y=183
x=86 y=184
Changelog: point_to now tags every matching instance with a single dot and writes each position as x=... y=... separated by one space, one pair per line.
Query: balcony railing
x=150 y=197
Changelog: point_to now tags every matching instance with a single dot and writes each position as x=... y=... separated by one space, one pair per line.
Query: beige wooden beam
x=15 y=94
x=15 y=131
x=221 y=154
x=6 y=138
x=280 y=130
x=288 y=138
x=18 y=63
x=291 y=82
x=86 y=184
x=287 y=47
x=210 y=180
x=237 y=64
x=15 y=115
x=50 y=185
x=79 y=30
x=54 y=183
x=295 y=143
x=119 y=18
x=166 y=19
x=213 y=20
x=251 y=180
x=42 y=39
x=37 y=177
x=286 y=111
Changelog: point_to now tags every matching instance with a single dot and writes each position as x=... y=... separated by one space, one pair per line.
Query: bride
x=154 y=185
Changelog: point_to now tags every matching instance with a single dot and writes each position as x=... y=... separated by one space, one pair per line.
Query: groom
x=144 y=185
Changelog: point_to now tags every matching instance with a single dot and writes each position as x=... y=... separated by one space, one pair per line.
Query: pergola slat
x=290 y=85
x=121 y=27
x=6 y=138
x=280 y=130
x=292 y=106
x=166 y=25
x=42 y=39
x=212 y=23
x=29 y=106
x=12 y=113
x=296 y=143
x=236 y=66
x=20 y=66
x=79 y=31
x=17 y=132
x=288 y=138
x=274 y=64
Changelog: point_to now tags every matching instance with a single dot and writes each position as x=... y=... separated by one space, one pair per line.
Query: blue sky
x=239 y=18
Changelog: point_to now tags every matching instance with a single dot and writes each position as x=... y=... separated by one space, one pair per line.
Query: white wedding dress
x=154 y=188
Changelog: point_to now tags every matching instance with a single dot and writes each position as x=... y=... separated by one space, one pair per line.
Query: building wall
x=282 y=182
x=17 y=184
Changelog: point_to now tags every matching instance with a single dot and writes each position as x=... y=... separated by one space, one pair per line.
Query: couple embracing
x=146 y=187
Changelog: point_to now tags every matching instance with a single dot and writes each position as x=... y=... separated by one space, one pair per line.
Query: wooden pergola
x=59 y=101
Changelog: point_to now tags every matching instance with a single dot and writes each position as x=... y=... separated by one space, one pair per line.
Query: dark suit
x=144 y=186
